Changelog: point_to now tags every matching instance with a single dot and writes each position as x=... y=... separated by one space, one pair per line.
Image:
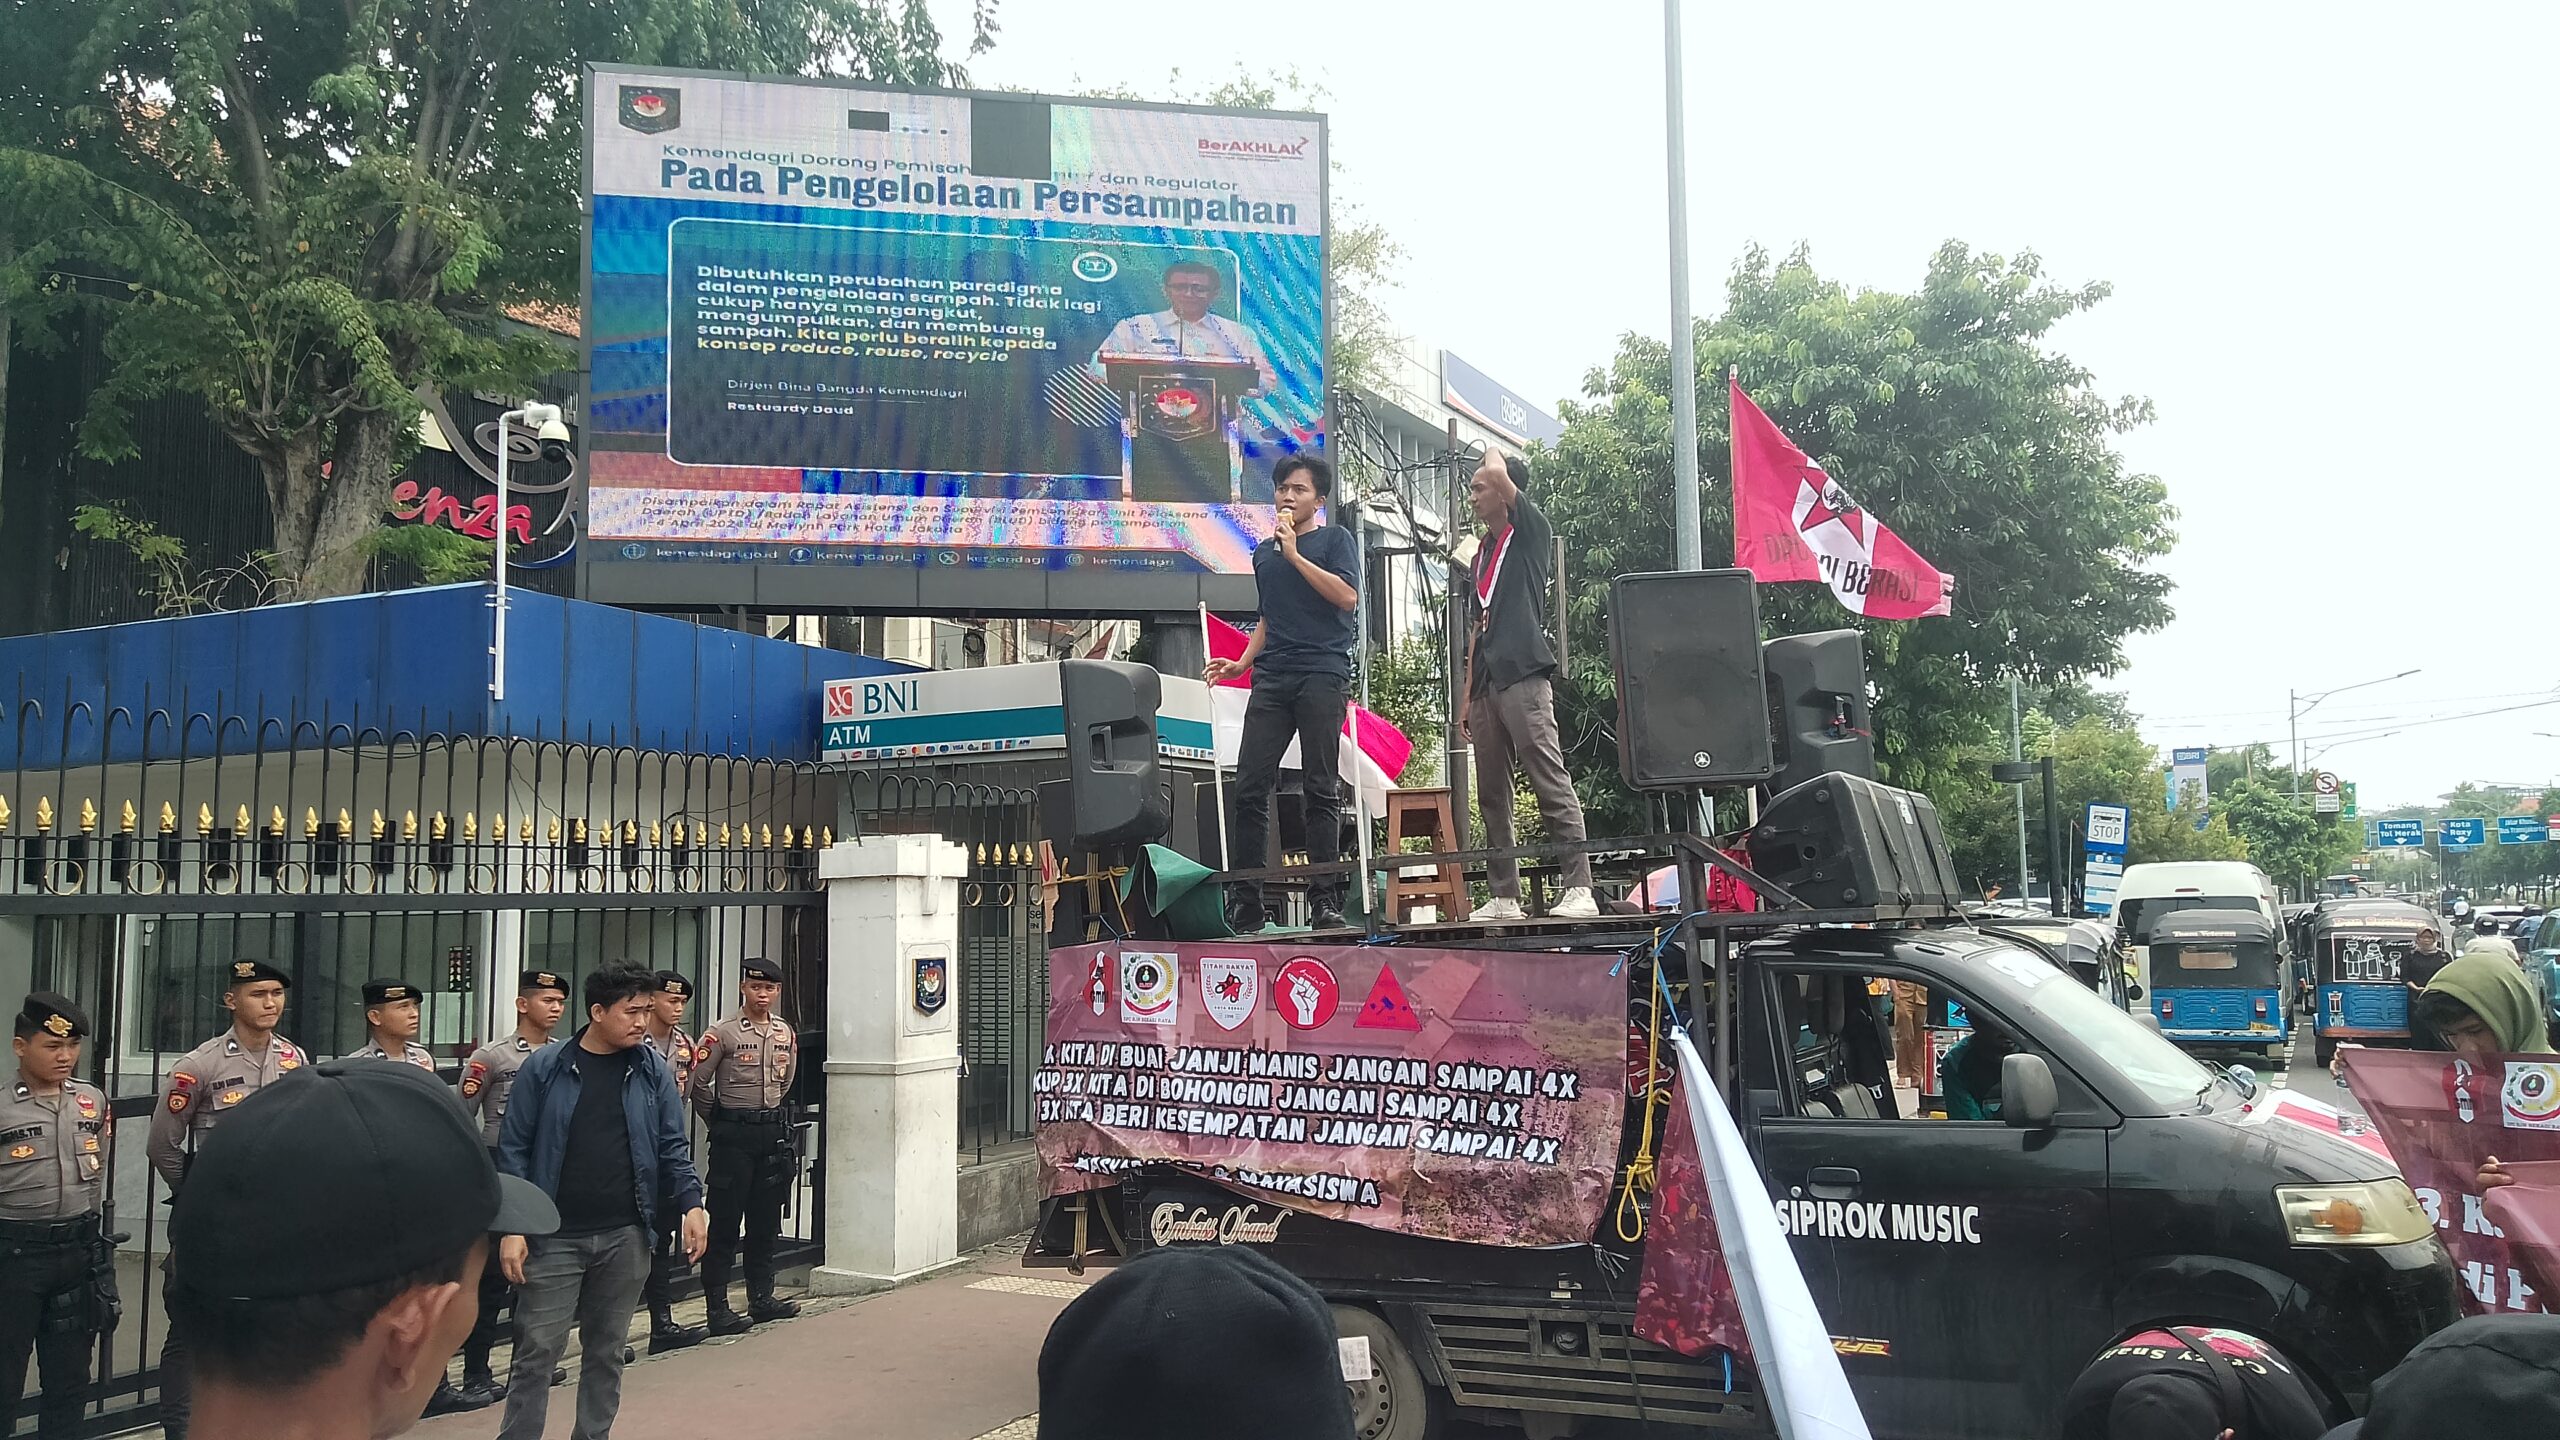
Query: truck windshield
x=2162 y=1071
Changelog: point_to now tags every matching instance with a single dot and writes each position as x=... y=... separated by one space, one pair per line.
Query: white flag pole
x=1217 y=772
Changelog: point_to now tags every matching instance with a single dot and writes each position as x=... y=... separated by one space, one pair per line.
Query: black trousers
x=1308 y=708
x=666 y=1262
x=177 y=1372
x=496 y=1297
x=750 y=1178
x=44 y=1307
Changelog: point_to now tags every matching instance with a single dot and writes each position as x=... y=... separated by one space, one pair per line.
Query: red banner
x=1791 y=521
x=2442 y=1115
x=1469 y=1095
x=1684 y=1293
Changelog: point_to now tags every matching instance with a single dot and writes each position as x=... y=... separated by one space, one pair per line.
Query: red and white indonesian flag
x=1793 y=522
x=1373 y=755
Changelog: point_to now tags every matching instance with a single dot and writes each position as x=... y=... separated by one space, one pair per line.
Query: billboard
x=1473 y=393
x=869 y=349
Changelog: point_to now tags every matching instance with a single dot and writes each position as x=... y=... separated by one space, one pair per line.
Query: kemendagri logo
x=1095 y=266
x=2531 y=1099
x=1256 y=149
x=650 y=109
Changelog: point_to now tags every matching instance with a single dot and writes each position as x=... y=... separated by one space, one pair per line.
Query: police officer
x=206 y=1084
x=57 y=1273
x=667 y=1037
x=391 y=1011
x=542 y=996
x=741 y=1072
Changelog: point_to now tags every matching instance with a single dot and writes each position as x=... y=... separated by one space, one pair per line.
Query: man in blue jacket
x=597 y=1125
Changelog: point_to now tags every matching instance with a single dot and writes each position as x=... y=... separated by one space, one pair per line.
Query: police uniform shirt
x=53 y=1163
x=678 y=1051
x=488 y=1076
x=741 y=1065
x=411 y=1051
x=206 y=1084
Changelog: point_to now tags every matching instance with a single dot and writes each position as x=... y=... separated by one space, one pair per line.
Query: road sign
x=2325 y=799
x=2105 y=828
x=2523 y=830
x=2462 y=834
x=2347 y=798
x=2399 y=834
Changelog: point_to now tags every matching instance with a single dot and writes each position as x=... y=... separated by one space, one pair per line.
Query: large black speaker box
x=1840 y=842
x=1693 y=708
x=1115 y=782
x=1818 y=706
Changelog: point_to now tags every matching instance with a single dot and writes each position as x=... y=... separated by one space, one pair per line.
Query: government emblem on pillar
x=933 y=983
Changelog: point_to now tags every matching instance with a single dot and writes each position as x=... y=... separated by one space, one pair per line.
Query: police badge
x=932 y=983
x=650 y=109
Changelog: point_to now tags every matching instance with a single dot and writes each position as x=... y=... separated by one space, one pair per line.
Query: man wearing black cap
x=1207 y=1341
x=667 y=1037
x=327 y=1248
x=741 y=1074
x=2494 y=1377
x=598 y=1125
x=2181 y=1382
x=205 y=1085
x=542 y=997
x=391 y=1015
x=57 y=1276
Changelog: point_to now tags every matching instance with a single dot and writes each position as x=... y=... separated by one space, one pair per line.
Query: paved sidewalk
x=953 y=1358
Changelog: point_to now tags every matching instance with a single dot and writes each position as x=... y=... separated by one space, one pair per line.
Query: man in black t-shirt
x=1511 y=703
x=1300 y=657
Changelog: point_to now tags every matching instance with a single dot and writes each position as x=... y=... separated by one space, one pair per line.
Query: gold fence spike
x=168 y=818
x=470 y=827
x=654 y=833
x=498 y=826
x=550 y=832
x=409 y=825
x=982 y=852
x=275 y=820
x=240 y=820
x=380 y=826
x=44 y=814
x=310 y=823
x=724 y=834
x=764 y=836
x=630 y=833
x=826 y=837
x=88 y=816
x=436 y=827
x=578 y=830
x=346 y=824
x=127 y=821
x=4 y=812
x=786 y=838
x=524 y=831
x=204 y=819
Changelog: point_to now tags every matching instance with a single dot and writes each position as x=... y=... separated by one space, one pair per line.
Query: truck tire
x=1394 y=1403
x=2324 y=1050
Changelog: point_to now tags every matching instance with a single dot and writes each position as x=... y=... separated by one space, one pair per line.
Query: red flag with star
x=1793 y=522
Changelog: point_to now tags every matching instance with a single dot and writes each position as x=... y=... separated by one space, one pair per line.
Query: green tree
x=316 y=207
x=1948 y=412
x=2294 y=845
x=1405 y=686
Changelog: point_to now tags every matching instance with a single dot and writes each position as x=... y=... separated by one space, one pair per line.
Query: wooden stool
x=1423 y=815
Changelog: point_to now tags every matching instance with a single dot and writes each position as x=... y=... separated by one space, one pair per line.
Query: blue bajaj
x=2218 y=979
x=2360 y=991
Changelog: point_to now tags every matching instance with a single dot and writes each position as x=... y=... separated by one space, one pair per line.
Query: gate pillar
x=893 y=1060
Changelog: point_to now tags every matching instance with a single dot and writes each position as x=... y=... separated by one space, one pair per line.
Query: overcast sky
x=2329 y=230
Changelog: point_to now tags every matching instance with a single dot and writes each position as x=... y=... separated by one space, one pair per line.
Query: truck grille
x=1577 y=1363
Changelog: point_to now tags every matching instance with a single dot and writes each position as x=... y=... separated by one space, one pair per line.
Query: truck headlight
x=2363 y=1212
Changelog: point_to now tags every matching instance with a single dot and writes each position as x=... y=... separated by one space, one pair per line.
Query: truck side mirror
x=2027 y=1098
x=2133 y=992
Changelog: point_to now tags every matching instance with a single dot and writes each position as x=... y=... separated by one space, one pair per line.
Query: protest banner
x=2442 y=1115
x=1461 y=1095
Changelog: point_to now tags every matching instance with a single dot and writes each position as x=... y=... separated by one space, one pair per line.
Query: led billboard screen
x=870 y=349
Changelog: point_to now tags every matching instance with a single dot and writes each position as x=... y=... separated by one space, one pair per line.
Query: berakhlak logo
x=1305 y=993
x=1233 y=149
x=2531 y=1098
x=1387 y=1008
x=1228 y=988
x=650 y=109
x=1150 y=987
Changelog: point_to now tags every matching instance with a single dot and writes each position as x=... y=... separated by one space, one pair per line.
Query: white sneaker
x=1498 y=908
x=1576 y=904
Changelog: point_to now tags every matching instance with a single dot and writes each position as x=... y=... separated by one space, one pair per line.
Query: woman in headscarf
x=2481 y=1004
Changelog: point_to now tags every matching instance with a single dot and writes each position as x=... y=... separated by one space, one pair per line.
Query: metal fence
x=349 y=848
x=1003 y=971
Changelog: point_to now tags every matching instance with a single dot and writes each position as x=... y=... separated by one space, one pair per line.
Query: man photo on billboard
x=1189 y=329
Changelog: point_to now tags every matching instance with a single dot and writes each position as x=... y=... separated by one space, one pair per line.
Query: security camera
x=552 y=434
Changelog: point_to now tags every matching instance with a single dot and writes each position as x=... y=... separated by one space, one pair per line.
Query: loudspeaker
x=1115 y=783
x=1818 y=706
x=1841 y=842
x=1693 y=708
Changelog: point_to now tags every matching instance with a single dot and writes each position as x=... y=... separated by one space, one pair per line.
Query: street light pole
x=1684 y=360
x=2297 y=706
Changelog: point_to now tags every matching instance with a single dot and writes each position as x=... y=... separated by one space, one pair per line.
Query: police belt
x=726 y=1116
x=79 y=1229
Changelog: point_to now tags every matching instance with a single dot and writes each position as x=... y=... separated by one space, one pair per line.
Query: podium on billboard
x=1191 y=406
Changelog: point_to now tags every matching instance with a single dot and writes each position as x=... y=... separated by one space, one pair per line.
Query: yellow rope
x=1640 y=1170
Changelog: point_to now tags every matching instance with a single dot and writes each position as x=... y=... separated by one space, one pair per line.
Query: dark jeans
x=177 y=1372
x=1310 y=709
x=34 y=1315
x=750 y=1178
x=591 y=1281
x=496 y=1296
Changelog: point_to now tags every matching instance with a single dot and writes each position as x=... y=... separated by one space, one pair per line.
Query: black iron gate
x=142 y=849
